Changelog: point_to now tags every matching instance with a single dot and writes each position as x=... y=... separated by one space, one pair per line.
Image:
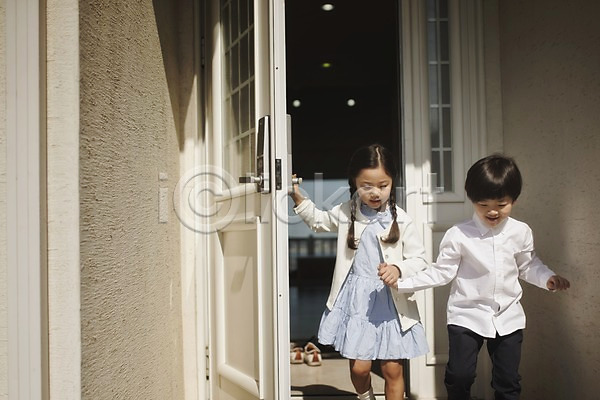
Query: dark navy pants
x=504 y=351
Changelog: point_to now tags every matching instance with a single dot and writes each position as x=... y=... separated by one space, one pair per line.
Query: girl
x=377 y=244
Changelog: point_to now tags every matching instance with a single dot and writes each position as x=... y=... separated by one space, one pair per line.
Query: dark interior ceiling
x=360 y=41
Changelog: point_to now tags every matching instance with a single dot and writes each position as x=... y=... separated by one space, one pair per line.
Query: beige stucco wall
x=132 y=124
x=550 y=71
x=62 y=149
x=493 y=87
x=3 y=250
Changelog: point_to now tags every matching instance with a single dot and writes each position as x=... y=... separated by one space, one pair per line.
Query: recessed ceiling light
x=327 y=7
x=296 y=103
x=326 y=65
x=351 y=102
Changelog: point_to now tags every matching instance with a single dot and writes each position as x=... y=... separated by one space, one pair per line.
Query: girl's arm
x=317 y=220
x=295 y=194
x=443 y=271
x=412 y=259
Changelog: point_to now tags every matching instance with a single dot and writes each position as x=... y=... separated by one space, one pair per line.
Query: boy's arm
x=318 y=220
x=440 y=273
x=531 y=268
x=557 y=282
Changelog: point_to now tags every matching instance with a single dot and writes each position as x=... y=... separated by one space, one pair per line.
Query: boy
x=485 y=257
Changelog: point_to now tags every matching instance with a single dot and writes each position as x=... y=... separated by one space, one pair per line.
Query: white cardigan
x=407 y=253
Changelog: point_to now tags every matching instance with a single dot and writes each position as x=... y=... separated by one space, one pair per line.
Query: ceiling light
x=351 y=102
x=327 y=7
x=296 y=103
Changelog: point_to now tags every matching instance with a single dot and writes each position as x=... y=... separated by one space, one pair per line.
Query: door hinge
x=207 y=364
x=278 y=174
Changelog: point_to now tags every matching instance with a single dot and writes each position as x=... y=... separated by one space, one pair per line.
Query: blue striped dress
x=363 y=323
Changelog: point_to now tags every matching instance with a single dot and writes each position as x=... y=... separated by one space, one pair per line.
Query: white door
x=248 y=308
x=444 y=133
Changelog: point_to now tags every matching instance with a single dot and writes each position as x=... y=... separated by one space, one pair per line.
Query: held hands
x=389 y=274
x=557 y=282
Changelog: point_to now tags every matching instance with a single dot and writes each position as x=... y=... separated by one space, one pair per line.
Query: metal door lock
x=263 y=153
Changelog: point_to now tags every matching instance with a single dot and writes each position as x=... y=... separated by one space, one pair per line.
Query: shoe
x=367 y=395
x=296 y=355
x=312 y=355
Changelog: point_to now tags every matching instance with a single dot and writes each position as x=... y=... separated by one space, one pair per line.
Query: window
x=438 y=57
x=237 y=21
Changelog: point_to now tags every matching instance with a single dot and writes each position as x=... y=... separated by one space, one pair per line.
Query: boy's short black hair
x=493 y=177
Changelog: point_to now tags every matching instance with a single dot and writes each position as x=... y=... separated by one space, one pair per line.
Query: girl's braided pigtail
x=350 y=239
x=395 y=230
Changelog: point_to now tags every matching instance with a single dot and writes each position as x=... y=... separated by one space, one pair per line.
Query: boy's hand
x=389 y=274
x=557 y=282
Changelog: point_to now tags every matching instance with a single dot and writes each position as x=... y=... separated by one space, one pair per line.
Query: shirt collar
x=370 y=214
x=484 y=229
x=363 y=213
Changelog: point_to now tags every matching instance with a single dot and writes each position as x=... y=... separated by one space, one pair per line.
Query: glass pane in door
x=237 y=22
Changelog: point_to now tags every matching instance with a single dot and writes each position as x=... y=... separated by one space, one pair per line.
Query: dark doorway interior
x=349 y=53
x=342 y=93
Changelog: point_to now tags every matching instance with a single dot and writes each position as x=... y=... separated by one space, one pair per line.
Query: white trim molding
x=25 y=200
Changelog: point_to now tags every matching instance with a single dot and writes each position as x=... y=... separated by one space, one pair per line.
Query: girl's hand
x=557 y=282
x=295 y=193
x=389 y=274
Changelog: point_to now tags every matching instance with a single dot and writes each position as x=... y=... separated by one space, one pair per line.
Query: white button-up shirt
x=485 y=264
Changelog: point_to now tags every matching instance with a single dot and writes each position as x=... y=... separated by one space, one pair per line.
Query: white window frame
x=467 y=96
x=232 y=140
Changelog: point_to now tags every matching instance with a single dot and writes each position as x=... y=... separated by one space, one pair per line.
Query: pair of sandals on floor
x=309 y=354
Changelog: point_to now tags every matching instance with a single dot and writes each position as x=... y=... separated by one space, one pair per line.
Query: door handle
x=251 y=179
x=296 y=181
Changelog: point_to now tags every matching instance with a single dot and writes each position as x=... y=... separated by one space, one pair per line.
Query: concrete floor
x=330 y=380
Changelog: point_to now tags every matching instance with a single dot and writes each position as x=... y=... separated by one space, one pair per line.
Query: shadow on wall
x=175 y=25
x=568 y=317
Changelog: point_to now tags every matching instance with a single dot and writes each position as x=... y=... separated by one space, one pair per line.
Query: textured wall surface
x=493 y=86
x=131 y=109
x=3 y=252
x=62 y=136
x=550 y=63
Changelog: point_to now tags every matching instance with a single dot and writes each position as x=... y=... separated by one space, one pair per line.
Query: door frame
x=26 y=298
x=275 y=364
x=469 y=118
x=282 y=154
x=434 y=213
